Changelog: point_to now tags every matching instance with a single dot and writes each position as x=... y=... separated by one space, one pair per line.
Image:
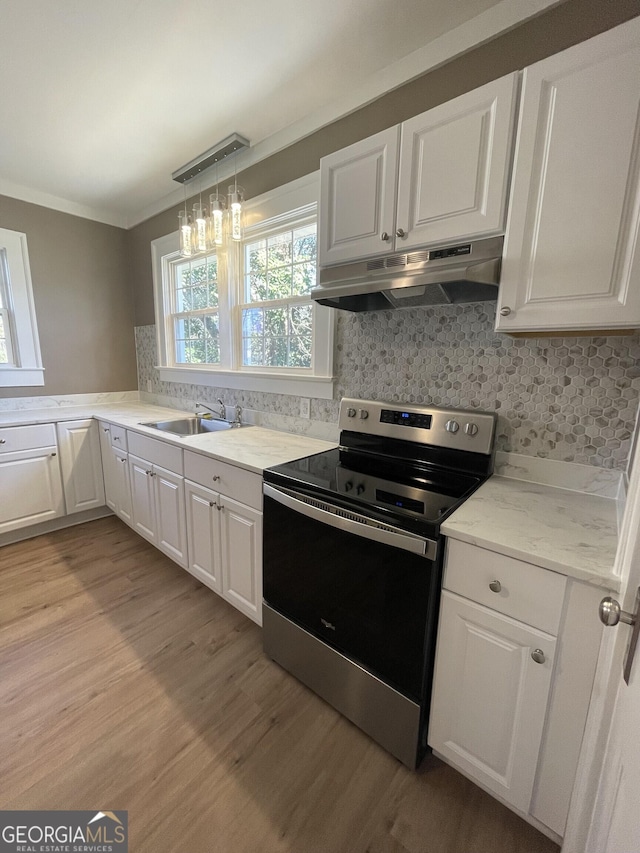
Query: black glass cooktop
x=390 y=489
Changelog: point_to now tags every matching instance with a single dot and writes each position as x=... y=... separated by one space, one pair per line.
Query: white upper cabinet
x=440 y=177
x=569 y=261
x=454 y=167
x=358 y=199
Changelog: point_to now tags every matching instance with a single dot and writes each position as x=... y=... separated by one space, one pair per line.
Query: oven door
x=371 y=592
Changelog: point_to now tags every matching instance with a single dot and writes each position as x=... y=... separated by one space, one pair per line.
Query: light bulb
x=216 y=206
x=236 y=195
x=184 y=222
x=199 y=228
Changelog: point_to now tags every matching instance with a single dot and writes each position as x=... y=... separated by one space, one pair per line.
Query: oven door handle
x=387 y=535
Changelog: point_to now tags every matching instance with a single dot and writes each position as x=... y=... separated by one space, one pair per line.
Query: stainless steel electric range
x=353 y=560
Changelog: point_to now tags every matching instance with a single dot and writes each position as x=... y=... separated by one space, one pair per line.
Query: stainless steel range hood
x=466 y=272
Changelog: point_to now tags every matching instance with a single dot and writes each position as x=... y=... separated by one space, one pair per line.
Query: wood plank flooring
x=126 y=684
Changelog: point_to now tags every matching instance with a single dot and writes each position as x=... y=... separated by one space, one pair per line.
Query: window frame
x=271 y=212
x=25 y=369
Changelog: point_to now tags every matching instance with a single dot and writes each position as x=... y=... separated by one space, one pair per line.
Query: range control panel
x=458 y=429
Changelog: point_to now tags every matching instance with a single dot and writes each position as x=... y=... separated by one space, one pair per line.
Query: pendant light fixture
x=236 y=197
x=200 y=232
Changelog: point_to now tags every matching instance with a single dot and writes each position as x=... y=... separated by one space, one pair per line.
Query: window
x=277 y=314
x=245 y=319
x=20 y=360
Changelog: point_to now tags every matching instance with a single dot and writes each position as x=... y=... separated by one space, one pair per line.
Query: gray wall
x=84 y=304
x=570 y=23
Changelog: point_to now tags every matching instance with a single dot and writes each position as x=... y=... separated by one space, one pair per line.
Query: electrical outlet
x=305 y=407
x=149 y=386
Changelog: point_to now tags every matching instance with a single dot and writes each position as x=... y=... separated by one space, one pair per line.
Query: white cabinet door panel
x=79 y=444
x=109 y=463
x=241 y=537
x=31 y=488
x=142 y=498
x=171 y=527
x=490 y=697
x=122 y=486
x=203 y=535
x=569 y=258
x=358 y=199
x=454 y=167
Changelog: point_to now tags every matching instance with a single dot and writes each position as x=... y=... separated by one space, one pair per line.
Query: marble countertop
x=568 y=532
x=254 y=448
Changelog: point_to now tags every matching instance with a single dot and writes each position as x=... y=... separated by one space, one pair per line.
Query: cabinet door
x=358 y=199
x=108 y=465
x=569 y=259
x=241 y=539
x=455 y=163
x=122 y=486
x=171 y=527
x=142 y=498
x=490 y=697
x=203 y=534
x=79 y=444
x=30 y=488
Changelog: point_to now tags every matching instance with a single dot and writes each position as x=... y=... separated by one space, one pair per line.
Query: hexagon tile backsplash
x=570 y=399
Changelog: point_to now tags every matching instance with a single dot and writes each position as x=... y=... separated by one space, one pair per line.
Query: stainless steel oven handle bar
x=386 y=534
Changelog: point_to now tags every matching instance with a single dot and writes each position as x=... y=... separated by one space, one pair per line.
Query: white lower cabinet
x=510 y=698
x=241 y=541
x=30 y=478
x=157 y=496
x=490 y=696
x=225 y=534
x=115 y=470
x=79 y=444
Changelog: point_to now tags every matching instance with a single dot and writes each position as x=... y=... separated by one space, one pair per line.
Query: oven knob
x=364 y=414
x=348 y=486
x=351 y=413
x=452 y=426
x=471 y=429
x=359 y=489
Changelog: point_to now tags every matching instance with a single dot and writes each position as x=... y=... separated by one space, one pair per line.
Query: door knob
x=400 y=232
x=611 y=614
x=495 y=586
x=504 y=312
x=384 y=236
x=538 y=656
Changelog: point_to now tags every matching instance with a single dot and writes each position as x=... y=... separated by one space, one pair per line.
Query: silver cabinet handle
x=219 y=507
x=611 y=614
x=105 y=429
x=400 y=232
x=116 y=438
x=122 y=460
x=3 y=440
x=504 y=312
x=538 y=656
x=212 y=503
x=495 y=586
x=54 y=454
x=384 y=236
x=215 y=478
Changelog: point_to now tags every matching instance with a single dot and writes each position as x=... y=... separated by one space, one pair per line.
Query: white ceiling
x=101 y=101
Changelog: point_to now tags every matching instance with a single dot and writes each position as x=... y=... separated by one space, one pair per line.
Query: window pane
x=300 y=318
x=275 y=322
x=279 y=283
x=300 y=352
x=252 y=322
x=257 y=287
x=304 y=278
x=275 y=352
x=304 y=244
x=253 y=351
x=196 y=284
x=279 y=250
x=197 y=340
x=4 y=354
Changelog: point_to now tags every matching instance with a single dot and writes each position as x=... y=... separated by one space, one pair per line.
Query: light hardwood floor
x=126 y=684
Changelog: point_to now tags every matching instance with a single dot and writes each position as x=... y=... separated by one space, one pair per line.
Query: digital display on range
x=399 y=501
x=412 y=419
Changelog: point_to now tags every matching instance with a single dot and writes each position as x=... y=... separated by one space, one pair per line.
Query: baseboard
x=54 y=524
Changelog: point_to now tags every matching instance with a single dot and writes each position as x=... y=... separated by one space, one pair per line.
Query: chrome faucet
x=222 y=413
x=238 y=418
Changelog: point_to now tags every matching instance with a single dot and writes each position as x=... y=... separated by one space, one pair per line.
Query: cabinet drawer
x=243 y=486
x=527 y=593
x=159 y=452
x=27 y=437
x=118 y=436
